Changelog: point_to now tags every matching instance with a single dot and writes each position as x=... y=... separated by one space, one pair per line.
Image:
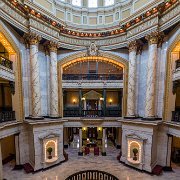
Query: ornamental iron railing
x=7 y=116
x=92 y=77
x=176 y=116
x=6 y=63
x=92 y=113
x=92 y=175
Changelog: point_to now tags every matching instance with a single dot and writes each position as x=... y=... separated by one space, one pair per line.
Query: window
x=109 y=2
x=76 y=2
x=92 y=3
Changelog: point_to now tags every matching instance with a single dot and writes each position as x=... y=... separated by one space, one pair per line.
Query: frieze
x=14 y=16
x=142 y=27
x=44 y=28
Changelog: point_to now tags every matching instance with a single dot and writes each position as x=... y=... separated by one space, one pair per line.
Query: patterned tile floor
x=78 y=163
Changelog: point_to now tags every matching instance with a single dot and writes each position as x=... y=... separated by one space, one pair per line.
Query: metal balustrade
x=6 y=63
x=92 y=113
x=176 y=116
x=92 y=77
x=92 y=175
x=7 y=116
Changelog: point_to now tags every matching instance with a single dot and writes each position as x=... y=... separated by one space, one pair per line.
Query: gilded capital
x=32 y=38
x=155 y=37
x=133 y=45
x=52 y=46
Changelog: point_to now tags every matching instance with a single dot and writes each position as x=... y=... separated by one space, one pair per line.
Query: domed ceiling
x=92 y=14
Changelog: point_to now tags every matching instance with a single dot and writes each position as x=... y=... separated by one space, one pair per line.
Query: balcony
x=176 y=116
x=92 y=77
x=92 y=113
x=7 y=116
x=6 y=63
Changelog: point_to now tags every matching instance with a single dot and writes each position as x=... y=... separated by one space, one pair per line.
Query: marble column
x=35 y=78
x=80 y=102
x=103 y=142
x=150 y=112
x=17 y=149
x=104 y=102
x=131 y=99
x=54 y=111
x=80 y=153
x=1 y=166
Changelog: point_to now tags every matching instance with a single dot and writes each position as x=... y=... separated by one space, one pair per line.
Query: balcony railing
x=92 y=77
x=176 y=116
x=7 y=116
x=6 y=63
x=92 y=113
x=92 y=174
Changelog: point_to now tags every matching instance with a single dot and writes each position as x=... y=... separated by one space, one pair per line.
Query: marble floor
x=79 y=163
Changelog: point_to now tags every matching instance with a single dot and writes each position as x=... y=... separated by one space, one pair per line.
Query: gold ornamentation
x=155 y=37
x=51 y=46
x=31 y=39
x=133 y=45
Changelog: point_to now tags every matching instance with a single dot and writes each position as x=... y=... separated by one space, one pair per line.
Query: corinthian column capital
x=133 y=46
x=155 y=37
x=52 y=46
x=31 y=38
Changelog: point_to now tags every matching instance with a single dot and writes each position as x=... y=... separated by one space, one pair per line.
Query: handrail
x=93 y=175
x=6 y=62
x=92 y=77
x=7 y=116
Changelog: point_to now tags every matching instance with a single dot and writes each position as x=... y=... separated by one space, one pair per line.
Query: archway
x=14 y=56
x=105 y=57
x=170 y=88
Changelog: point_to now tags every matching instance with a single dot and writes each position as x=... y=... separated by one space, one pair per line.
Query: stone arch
x=18 y=97
x=168 y=79
x=103 y=56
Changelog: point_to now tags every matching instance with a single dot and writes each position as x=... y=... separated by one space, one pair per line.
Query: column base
x=54 y=117
x=167 y=168
x=66 y=146
x=103 y=153
x=35 y=118
x=80 y=153
x=131 y=117
x=151 y=118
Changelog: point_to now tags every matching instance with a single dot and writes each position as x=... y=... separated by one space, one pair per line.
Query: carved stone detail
x=155 y=38
x=31 y=38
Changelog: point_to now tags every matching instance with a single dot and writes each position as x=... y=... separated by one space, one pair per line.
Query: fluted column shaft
x=131 y=100
x=153 y=39
x=35 y=79
x=53 y=81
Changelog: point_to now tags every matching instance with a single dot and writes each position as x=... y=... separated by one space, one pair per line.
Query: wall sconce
x=110 y=101
x=101 y=99
x=74 y=101
x=83 y=99
x=99 y=128
x=84 y=129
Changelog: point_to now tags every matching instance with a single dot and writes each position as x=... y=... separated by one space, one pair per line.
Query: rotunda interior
x=89 y=89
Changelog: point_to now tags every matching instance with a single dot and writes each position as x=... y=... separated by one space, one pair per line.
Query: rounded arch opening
x=173 y=54
x=14 y=56
x=108 y=58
